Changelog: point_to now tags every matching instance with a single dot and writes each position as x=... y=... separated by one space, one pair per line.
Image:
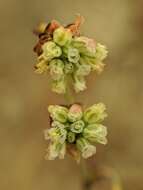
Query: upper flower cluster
x=65 y=53
x=73 y=130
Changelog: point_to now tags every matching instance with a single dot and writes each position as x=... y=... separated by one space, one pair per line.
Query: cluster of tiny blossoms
x=65 y=54
x=75 y=131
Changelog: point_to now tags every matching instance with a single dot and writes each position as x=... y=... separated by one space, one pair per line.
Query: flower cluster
x=64 y=53
x=75 y=131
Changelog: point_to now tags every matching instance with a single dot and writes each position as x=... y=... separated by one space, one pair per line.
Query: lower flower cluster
x=75 y=131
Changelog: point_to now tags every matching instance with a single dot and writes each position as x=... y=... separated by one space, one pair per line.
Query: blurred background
x=24 y=96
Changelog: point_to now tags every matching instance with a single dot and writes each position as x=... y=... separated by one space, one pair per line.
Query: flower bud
x=58 y=113
x=73 y=55
x=65 y=51
x=51 y=50
x=95 y=113
x=77 y=127
x=68 y=68
x=75 y=113
x=71 y=137
x=85 y=148
x=59 y=86
x=86 y=46
x=58 y=124
x=57 y=134
x=62 y=151
x=52 y=151
x=79 y=83
x=41 y=66
x=99 y=67
x=101 y=52
x=83 y=69
x=95 y=64
x=62 y=36
x=56 y=150
x=95 y=133
x=56 y=67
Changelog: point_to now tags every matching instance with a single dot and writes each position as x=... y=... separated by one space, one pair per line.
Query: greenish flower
x=95 y=133
x=98 y=66
x=41 y=66
x=88 y=60
x=71 y=137
x=86 y=46
x=62 y=36
x=83 y=69
x=101 y=52
x=85 y=148
x=69 y=68
x=95 y=113
x=75 y=113
x=77 y=127
x=79 y=83
x=59 y=86
x=73 y=55
x=51 y=50
x=56 y=67
x=56 y=123
x=58 y=113
x=56 y=150
x=65 y=51
x=57 y=134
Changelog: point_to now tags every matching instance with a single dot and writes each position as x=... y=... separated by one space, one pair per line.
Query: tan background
x=24 y=95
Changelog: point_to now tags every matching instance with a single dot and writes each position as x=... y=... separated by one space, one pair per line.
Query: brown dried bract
x=75 y=27
x=45 y=31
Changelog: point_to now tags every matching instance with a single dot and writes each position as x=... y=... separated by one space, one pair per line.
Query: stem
x=68 y=95
x=86 y=175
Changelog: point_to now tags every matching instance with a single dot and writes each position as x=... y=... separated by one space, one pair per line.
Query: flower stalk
x=68 y=57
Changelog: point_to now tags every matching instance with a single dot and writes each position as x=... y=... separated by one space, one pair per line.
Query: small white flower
x=56 y=67
x=57 y=134
x=73 y=55
x=79 y=83
x=101 y=52
x=58 y=113
x=83 y=69
x=89 y=151
x=77 y=127
x=95 y=133
x=85 y=147
x=51 y=50
x=59 y=86
x=95 y=113
x=55 y=150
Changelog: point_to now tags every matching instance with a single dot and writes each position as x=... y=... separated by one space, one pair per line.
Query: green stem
x=68 y=95
x=86 y=175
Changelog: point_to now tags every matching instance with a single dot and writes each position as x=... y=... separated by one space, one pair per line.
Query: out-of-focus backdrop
x=24 y=95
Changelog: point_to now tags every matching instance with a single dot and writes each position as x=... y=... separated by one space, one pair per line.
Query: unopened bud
x=58 y=113
x=51 y=50
x=85 y=148
x=77 y=127
x=75 y=113
x=95 y=133
x=95 y=113
x=62 y=36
